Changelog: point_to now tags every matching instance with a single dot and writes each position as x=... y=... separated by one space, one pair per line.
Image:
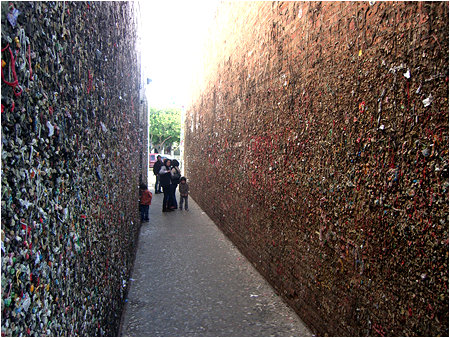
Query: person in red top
x=145 y=200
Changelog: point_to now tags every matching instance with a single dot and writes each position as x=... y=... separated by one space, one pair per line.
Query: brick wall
x=70 y=166
x=317 y=140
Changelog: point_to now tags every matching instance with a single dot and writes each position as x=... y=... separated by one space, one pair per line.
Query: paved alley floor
x=190 y=280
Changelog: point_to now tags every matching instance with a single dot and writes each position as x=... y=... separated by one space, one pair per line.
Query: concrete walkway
x=190 y=280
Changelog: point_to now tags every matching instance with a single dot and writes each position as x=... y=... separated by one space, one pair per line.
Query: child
x=184 y=193
x=145 y=199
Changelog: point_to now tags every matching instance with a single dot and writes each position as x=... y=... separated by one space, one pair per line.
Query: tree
x=164 y=127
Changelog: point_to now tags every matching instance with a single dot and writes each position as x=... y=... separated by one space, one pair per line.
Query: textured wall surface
x=70 y=158
x=318 y=142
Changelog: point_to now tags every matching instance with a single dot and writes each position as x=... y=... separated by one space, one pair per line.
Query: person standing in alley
x=175 y=180
x=145 y=200
x=164 y=180
x=184 y=193
x=156 y=169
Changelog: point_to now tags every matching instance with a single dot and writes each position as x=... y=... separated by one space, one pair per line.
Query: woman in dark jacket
x=175 y=180
x=164 y=180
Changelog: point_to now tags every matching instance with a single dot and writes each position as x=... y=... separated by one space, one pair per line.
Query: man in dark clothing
x=156 y=169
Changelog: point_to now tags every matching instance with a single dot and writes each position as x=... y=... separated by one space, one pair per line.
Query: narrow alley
x=315 y=139
x=190 y=280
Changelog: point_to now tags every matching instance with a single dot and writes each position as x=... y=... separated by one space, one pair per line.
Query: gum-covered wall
x=70 y=165
x=318 y=142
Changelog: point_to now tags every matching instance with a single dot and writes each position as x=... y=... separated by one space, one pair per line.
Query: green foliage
x=164 y=127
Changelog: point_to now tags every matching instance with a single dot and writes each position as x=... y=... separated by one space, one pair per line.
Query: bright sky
x=172 y=37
